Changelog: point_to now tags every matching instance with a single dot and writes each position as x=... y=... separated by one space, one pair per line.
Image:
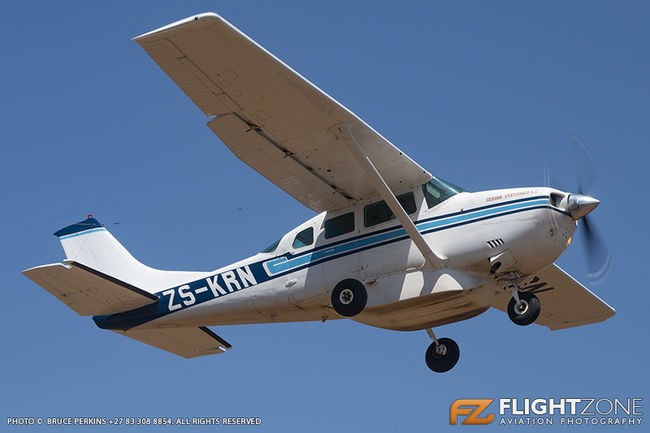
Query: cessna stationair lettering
x=391 y=245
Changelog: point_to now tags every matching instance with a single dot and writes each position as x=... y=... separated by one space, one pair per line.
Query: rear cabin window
x=304 y=238
x=379 y=212
x=339 y=225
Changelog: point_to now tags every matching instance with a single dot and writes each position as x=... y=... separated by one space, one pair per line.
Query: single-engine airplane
x=392 y=246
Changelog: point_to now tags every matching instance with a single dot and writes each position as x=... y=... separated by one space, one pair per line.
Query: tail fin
x=88 y=242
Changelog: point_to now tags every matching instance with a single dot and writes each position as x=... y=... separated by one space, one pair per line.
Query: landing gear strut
x=442 y=354
x=523 y=308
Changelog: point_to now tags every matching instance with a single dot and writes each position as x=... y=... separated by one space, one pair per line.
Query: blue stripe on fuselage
x=283 y=264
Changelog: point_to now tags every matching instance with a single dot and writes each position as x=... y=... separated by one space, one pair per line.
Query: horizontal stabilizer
x=185 y=342
x=87 y=291
x=565 y=302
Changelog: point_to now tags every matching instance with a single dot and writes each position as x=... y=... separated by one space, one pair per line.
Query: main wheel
x=442 y=357
x=527 y=311
x=349 y=297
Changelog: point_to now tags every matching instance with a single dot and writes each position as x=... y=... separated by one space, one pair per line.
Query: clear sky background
x=484 y=95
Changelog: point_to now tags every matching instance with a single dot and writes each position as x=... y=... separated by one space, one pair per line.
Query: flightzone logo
x=547 y=411
x=472 y=410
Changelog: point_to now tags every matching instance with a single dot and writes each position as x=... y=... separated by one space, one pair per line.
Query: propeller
x=598 y=254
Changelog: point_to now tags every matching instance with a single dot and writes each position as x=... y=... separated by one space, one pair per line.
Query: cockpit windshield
x=272 y=247
x=437 y=190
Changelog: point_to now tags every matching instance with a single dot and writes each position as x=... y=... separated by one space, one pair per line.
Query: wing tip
x=197 y=19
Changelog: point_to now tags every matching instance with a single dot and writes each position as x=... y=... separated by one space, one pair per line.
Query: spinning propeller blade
x=598 y=255
x=597 y=252
x=586 y=167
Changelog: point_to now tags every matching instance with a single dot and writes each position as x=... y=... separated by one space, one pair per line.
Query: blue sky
x=484 y=95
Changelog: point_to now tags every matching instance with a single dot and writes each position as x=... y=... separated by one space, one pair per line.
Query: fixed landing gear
x=349 y=297
x=523 y=308
x=442 y=354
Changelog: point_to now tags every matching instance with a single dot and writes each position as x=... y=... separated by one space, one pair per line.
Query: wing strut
x=344 y=133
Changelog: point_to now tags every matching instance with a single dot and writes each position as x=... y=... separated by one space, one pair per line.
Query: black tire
x=349 y=297
x=442 y=362
x=529 y=311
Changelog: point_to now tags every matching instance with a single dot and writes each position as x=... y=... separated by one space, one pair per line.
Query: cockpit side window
x=271 y=248
x=437 y=190
x=304 y=238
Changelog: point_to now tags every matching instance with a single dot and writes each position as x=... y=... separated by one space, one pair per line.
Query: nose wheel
x=442 y=355
x=523 y=308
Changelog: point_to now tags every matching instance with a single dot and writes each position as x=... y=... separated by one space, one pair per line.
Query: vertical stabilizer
x=88 y=242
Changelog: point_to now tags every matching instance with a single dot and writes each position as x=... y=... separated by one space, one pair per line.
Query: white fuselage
x=519 y=228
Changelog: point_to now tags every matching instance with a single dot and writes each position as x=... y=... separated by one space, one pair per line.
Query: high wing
x=565 y=302
x=272 y=118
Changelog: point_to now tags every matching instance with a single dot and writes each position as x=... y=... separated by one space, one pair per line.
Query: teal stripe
x=82 y=233
x=478 y=214
x=282 y=264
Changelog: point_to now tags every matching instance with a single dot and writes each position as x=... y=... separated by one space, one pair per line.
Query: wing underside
x=272 y=118
x=565 y=302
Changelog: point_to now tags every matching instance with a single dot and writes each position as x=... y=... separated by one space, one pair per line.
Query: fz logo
x=472 y=408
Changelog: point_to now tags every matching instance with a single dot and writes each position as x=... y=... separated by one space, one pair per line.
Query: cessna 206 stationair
x=392 y=246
